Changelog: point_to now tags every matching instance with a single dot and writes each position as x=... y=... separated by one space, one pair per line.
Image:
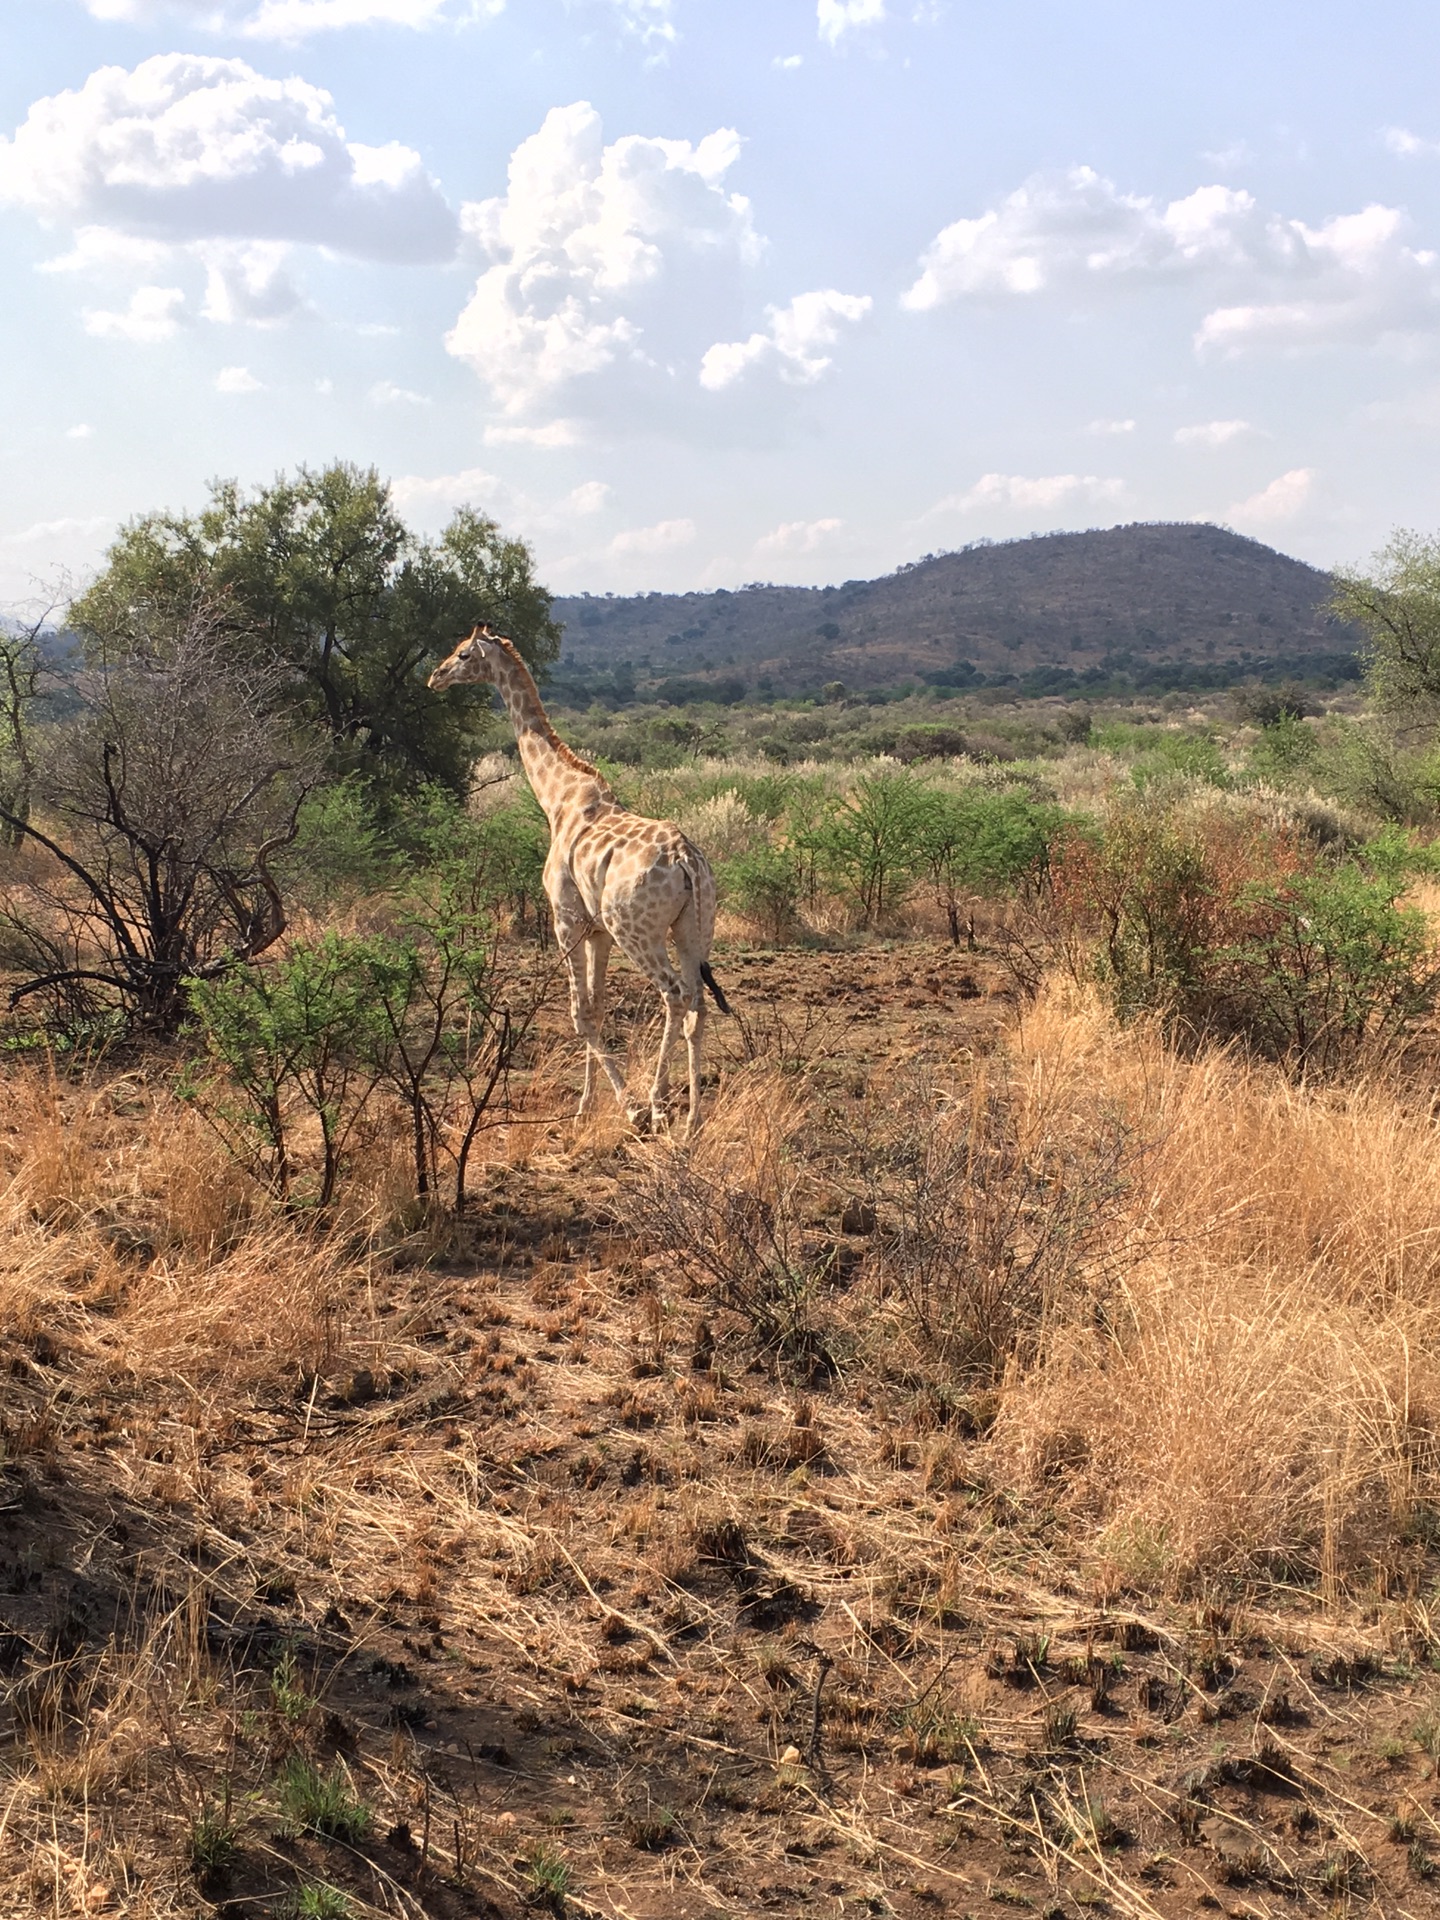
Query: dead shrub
x=992 y=1205
x=729 y=1207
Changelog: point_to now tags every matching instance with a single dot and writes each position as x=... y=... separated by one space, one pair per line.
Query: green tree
x=1397 y=605
x=976 y=843
x=872 y=841
x=21 y=668
x=319 y=572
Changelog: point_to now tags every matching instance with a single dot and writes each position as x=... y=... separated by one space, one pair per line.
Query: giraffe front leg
x=570 y=937
x=587 y=1090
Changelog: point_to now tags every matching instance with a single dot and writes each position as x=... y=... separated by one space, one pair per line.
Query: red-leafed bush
x=1234 y=927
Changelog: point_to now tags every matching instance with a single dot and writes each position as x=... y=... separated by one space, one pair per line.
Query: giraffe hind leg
x=673 y=995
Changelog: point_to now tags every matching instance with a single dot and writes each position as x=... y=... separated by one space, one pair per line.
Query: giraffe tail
x=713 y=984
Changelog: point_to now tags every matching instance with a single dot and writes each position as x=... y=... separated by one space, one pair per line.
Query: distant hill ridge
x=1170 y=603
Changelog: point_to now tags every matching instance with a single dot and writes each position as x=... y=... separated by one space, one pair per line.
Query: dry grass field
x=995 y=1467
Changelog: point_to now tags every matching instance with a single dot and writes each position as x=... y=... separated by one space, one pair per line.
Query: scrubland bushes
x=1189 y=1308
x=855 y=848
x=1125 y=1290
x=1235 y=925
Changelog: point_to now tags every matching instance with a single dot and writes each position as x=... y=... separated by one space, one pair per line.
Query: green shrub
x=302 y=1028
x=1285 y=750
x=871 y=842
x=1327 y=961
x=549 y=1877
x=288 y=1693
x=980 y=843
x=494 y=861
x=765 y=884
x=1181 y=755
x=1233 y=928
x=311 y=1035
x=338 y=848
x=214 y=1844
x=1362 y=765
x=315 y=1900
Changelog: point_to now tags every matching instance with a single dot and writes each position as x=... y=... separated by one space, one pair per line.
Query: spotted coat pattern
x=613 y=879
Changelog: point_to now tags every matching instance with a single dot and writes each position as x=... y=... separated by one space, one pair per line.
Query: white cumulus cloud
x=100 y=250
x=1106 y=428
x=591 y=496
x=237 y=380
x=82 y=431
x=1354 y=278
x=189 y=147
x=1077 y=227
x=1213 y=433
x=297 y=19
x=153 y=314
x=249 y=281
x=440 y=494
x=604 y=259
x=649 y=20
x=792 y=343
x=552 y=435
x=835 y=18
x=798 y=536
x=1410 y=146
x=292 y=20
x=45 y=530
x=385 y=393
x=1014 y=492
x=664 y=537
x=1282 y=500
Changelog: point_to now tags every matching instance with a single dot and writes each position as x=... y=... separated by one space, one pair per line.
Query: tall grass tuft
x=1258 y=1390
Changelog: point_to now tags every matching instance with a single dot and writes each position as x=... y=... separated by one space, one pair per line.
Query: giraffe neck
x=557 y=777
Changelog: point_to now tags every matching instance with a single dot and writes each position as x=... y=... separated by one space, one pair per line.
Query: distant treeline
x=574 y=684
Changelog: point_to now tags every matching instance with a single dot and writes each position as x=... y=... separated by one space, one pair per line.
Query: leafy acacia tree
x=319 y=573
x=979 y=844
x=1397 y=604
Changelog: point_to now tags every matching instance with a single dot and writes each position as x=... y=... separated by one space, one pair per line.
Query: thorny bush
x=730 y=1207
x=990 y=1211
x=163 y=804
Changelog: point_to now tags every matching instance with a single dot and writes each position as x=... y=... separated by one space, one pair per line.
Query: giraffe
x=613 y=879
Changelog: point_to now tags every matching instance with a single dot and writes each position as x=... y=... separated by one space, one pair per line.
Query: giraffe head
x=477 y=657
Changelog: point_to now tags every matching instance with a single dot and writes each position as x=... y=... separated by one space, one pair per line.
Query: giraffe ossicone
x=613 y=879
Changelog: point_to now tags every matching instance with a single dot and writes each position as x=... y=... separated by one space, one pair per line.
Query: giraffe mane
x=564 y=752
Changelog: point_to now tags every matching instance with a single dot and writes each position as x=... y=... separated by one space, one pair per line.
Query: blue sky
x=693 y=293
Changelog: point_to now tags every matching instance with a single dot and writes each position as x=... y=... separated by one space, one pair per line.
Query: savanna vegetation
x=994 y=1463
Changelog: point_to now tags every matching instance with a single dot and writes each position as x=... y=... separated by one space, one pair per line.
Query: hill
x=1174 y=604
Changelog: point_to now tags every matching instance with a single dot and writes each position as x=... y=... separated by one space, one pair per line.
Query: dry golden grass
x=1260 y=1388
x=538 y=1463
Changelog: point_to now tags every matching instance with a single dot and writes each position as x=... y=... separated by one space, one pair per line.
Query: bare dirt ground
x=596 y=1608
